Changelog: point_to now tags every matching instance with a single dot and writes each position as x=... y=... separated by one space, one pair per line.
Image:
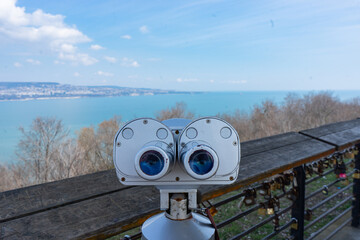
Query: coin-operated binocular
x=177 y=156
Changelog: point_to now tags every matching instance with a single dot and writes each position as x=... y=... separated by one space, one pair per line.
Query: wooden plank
x=331 y=128
x=94 y=218
x=268 y=143
x=341 y=135
x=24 y=201
x=113 y=213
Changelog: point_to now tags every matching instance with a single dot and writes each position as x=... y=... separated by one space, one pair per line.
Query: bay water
x=83 y=112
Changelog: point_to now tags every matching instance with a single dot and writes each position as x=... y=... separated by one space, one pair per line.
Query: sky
x=199 y=45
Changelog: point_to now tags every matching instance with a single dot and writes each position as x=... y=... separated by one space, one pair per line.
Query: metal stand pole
x=297 y=212
x=178 y=223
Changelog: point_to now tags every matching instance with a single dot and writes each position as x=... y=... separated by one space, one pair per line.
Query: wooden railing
x=97 y=206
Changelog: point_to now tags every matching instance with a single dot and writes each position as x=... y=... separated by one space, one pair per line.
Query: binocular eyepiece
x=177 y=152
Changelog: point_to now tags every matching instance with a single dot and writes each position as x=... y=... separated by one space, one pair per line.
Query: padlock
x=333 y=161
x=356 y=151
x=326 y=163
x=270 y=208
x=292 y=194
x=308 y=171
x=265 y=189
x=352 y=164
x=308 y=215
x=349 y=155
x=340 y=170
x=325 y=190
x=280 y=182
x=273 y=185
x=356 y=174
x=262 y=210
x=318 y=167
x=288 y=178
x=250 y=196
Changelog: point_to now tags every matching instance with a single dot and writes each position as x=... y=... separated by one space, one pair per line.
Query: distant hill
x=42 y=90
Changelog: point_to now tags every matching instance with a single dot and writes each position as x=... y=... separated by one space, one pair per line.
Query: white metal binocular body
x=177 y=152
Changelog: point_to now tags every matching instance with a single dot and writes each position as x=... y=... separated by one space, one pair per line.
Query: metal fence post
x=356 y=192
x=298 y=209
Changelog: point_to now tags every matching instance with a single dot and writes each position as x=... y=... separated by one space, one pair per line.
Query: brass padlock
x=356 y=174
x=325 y=190
x=349 y=155
x=262 y=210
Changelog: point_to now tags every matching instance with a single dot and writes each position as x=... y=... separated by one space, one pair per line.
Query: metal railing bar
x=319 y=176
x=282 y=228
x=236 y=217
x=331 y=197
x=314 y=234
x=327 y=212
x=322 y=188
x=328 y=185
x=240 y=215
x=338 y=229
x=260 y=224
x=324 y=174
x=230 y=199
x=136 y=236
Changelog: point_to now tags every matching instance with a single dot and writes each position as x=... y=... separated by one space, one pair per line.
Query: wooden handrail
x=98 y=206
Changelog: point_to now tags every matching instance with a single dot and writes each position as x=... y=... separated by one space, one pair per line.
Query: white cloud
x=180 y=80
x=39 y=27
x=126 y=37
x=69 y=48
x=76 y=74
x=104 y=74
x=144 y=29
x=110 y=59
x=237 y=81
x=76 y=58
x=212 y=81
x=32 y=61
x=17 y=64
x=96 y=47
x=127 y=62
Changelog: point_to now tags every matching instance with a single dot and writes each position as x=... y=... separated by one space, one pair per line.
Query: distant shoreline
x=105 y=96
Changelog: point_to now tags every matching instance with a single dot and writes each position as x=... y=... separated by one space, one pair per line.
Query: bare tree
x=96 y=146
x=178 y=111
x=39 y=146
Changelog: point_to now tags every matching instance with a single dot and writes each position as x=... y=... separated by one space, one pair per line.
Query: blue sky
x=183 y=45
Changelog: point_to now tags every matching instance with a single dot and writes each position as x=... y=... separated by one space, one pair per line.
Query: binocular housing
x=177 y=152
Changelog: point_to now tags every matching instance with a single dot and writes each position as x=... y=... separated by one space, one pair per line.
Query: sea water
x=82 y=112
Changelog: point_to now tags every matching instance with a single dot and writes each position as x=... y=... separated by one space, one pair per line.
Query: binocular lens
x=151 y=162
x=201 y=162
